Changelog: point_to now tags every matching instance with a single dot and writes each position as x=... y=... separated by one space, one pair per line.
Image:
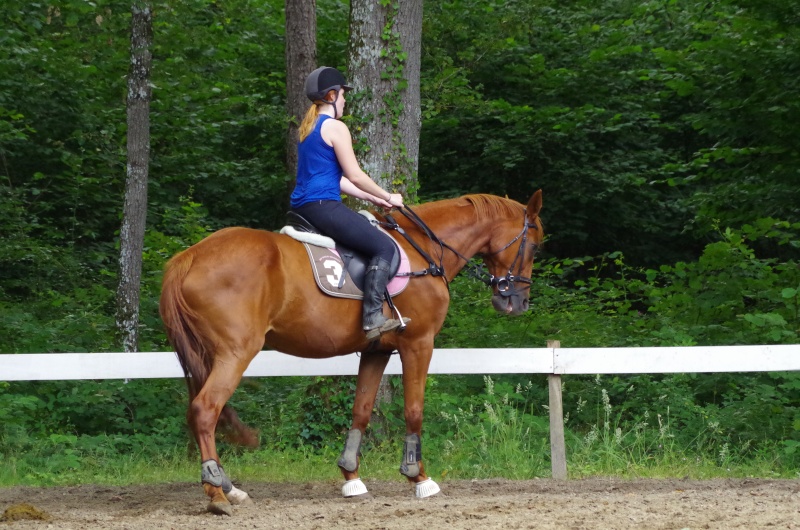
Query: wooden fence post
x=558 y=450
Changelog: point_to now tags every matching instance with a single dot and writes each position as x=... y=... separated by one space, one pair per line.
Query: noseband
x=505 y=284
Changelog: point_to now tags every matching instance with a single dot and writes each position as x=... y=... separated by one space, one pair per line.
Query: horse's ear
x=534 y=205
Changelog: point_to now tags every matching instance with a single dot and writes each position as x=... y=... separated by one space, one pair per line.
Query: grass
x=649 y=449
x=295 y=466
x=261 y=465
x=495 y=436
x=497 y=456
x=588 y=460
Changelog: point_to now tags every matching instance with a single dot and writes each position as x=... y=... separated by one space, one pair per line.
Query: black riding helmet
x=323 y=79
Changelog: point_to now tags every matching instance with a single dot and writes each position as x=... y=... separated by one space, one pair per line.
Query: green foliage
x=655 y=444
x=492 y=434
x=323 y=413
x=15 y=410
x=151 y=407
x=218 y=109
x=67 y=302
x=559 y=104
x=714 y=72
x=729 y=296
x=637 y=119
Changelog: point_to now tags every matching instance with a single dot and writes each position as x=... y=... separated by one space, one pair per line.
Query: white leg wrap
x=237 y=496
x=426 y=488
x=353 y=488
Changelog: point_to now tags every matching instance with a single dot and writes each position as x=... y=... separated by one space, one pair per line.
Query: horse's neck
x=462 y=232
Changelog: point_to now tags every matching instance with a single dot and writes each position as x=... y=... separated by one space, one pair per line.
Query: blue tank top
x=318 y=170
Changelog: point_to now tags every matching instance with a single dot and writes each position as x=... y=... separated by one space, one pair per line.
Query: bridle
x=505 y=284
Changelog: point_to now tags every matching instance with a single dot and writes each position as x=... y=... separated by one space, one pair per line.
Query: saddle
x=339 y=270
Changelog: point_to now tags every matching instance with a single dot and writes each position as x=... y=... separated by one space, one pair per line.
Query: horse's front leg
x=370 y=371
x=415 y=375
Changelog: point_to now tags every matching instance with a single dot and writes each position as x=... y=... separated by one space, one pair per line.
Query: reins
x=433 y=269
x=412 y=216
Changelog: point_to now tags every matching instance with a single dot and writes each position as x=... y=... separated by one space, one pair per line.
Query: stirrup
x=390 y=325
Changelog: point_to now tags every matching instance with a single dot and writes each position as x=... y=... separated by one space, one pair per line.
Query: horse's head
x=512 y=247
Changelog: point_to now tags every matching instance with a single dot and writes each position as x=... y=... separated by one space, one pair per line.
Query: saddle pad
x=328 y=268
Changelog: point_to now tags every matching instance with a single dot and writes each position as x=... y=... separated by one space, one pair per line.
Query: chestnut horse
x=241 y=289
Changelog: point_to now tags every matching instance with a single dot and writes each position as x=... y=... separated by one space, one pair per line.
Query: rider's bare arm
x=338 y=135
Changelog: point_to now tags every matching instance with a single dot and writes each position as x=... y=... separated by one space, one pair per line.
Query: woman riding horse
x=326 y=167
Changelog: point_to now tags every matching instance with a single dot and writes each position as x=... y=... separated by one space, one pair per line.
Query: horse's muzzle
x=514 y=304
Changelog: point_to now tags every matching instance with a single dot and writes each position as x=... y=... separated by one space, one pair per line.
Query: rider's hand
x=377 y=201
x=395 y=199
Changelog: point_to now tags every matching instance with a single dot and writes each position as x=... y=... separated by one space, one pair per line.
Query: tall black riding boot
x=375 y=280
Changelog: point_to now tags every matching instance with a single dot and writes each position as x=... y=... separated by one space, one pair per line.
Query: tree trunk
x=385 y=48
x=134 y=212
x=409 y=26
x=301 y=60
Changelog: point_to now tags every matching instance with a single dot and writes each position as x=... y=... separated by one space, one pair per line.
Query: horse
x=242 y=289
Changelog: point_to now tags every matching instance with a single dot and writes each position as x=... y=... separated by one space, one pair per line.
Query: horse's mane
x=485 y=205
x=494 y=206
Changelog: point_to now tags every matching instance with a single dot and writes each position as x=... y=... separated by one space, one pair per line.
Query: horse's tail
x=193 y=348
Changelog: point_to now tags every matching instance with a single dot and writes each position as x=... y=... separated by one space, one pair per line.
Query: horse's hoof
x=220 y=508
x=355 y=489
x=237 y=496
x=426 y=488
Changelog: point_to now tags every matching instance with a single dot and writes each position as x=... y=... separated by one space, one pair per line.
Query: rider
x=326 y=168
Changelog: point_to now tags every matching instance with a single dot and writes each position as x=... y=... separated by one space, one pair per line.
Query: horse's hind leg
x=370 y=371
x=202 y=416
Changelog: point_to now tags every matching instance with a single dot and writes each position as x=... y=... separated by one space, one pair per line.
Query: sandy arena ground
x=467 y=505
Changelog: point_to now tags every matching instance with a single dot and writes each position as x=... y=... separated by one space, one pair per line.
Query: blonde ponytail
x=309 y=120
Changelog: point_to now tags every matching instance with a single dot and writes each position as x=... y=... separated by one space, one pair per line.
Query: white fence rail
x=562 y=361
x=553 y=361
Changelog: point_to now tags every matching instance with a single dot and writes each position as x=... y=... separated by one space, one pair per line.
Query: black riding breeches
x=334 y=219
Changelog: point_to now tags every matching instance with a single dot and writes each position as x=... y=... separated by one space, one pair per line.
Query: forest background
x=662 y=133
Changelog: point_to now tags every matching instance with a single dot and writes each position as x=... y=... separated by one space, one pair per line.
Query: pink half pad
x=398 y=283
